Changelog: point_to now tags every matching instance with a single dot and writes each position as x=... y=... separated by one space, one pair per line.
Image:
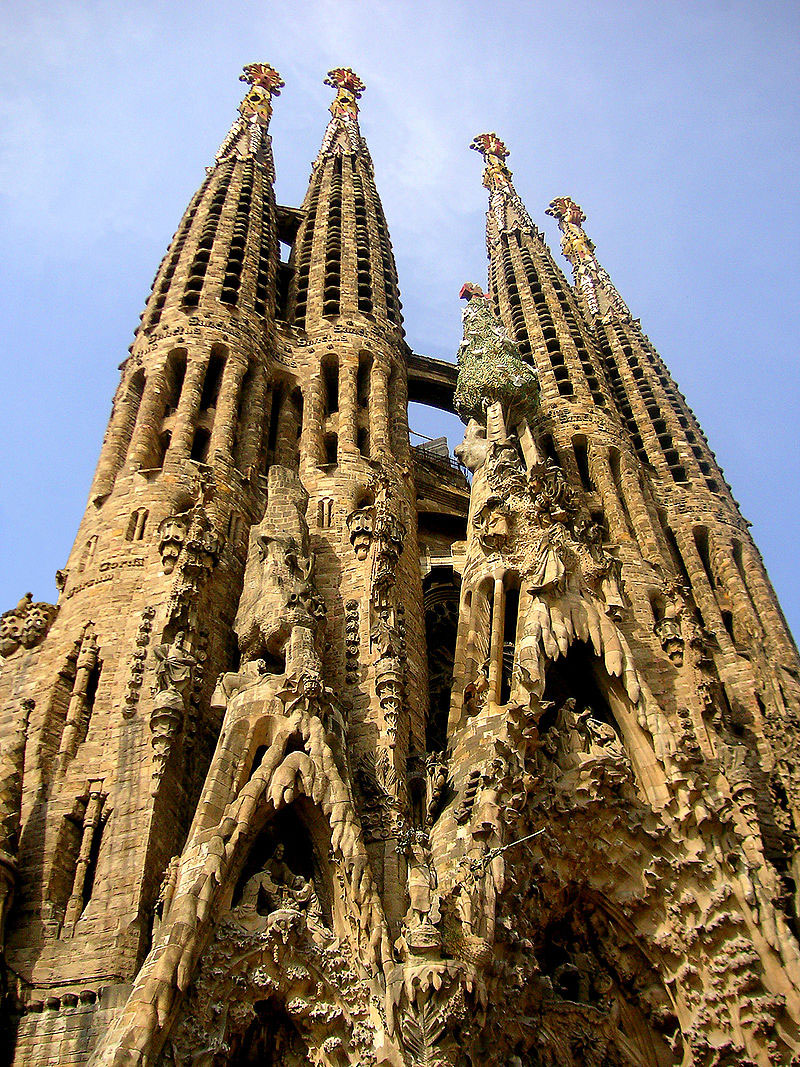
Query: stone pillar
x=312 y=450
x=76 y=711
x=91 y=821
x=704 y=594
x=398 y=406
x=601 y=473
x=496 y=641
x=638 y=511
x=117 y=441
x=151 y=412
x=189 y=404
x=222 y=435
x=379 y=409
x=348 y=403
x=255 y=417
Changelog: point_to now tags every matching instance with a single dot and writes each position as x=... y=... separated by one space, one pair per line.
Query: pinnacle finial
x=564 y=208
x=505 y=205
x=591 y=278
x=489 y=144
x=264 y=82
x=248 y=134
x=349 y=88
x=264 y=76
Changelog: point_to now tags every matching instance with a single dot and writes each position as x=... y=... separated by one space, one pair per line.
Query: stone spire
x=532 y=297
x=12 y=763
x=344 y=228
x=591 y=279
x=506 y=210
x=343 y=134
x=248 y=137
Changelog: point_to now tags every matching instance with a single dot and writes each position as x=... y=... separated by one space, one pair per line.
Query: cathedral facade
x=339 y=751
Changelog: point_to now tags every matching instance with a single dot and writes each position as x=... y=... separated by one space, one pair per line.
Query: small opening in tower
x=362 y=441
x=582 y=459
x=202 y=439
x=330 y=371
x=213 y=378
x=164 y=441
x=364 y=374
x=331 y=443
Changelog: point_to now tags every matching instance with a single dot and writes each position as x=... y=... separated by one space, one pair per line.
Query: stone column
x=312 y=451
x=91 y=821
x=496 y=641
x=255 y=418
x=76 y=711
x=151 y=412
x=379 y=409
x=189 y=404
x=704 y=594
x=638 y=511
x=116 y=443
x=222 y=435
x=348 y=403
x=600 y=470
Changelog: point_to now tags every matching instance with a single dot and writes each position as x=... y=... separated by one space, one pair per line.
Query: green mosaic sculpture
x=490 y=368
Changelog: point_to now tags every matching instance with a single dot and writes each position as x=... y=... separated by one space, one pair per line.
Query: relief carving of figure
x=493 y=525
x=275 y=887
x=280 y=610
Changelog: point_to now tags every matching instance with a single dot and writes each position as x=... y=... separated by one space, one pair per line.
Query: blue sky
x=675 y=126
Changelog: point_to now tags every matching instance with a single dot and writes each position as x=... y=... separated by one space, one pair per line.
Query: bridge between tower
x=431 y=381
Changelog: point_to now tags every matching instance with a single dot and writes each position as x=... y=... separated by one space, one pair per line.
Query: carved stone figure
x=171 y=537
x=361 y=524
x=492 y=524
x=174 y=664
x=278 y=887
x=472 y=450
x=280 y=611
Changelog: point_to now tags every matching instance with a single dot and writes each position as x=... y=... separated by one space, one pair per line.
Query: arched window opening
x=136 y=525
x=441 y=593
x=582 y=460
x=330 y=374
x=362 y=440
x=363 y=384
x=164 y=440
x=88 y=553
x=700 y=534
x=200 y=443
x=511 y=614
x=213 y=378
x=657 y=605
x=325 y=513
x=274 y=414
x=176 y=373
x=331 y=445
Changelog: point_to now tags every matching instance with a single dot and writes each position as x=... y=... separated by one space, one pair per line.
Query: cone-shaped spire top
x=343 y=135
x=343 y=227
x=591 y=279
x=247 y=137
x=506 y=210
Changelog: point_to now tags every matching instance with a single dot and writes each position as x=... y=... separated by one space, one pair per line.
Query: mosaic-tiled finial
x=489 y=144
x=264 y=76
x=264 y=82
x=564 y=209
x=349 y=88
x=496 y=176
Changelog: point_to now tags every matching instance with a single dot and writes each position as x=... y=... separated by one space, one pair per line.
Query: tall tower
x=339 y=751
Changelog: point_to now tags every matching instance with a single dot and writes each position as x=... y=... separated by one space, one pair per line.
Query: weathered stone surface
x=329 y=755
